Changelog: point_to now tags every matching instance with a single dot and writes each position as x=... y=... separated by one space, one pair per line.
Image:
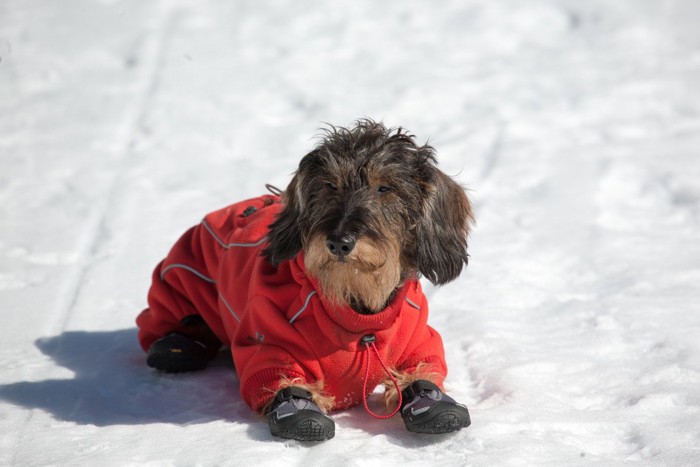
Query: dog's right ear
x=285 y=233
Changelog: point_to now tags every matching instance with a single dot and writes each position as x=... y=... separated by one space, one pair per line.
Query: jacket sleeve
x=427 y=358
x=425 y=354
x=266 y=351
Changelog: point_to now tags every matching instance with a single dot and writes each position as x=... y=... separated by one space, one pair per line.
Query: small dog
x=316 y=290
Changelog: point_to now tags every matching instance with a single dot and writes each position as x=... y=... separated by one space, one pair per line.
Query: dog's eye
x=384 y=189
x=332 y=186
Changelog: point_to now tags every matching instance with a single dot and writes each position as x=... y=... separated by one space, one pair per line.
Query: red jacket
x=275 y=320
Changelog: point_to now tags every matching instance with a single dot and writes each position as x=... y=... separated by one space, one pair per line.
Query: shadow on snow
x=113 y=386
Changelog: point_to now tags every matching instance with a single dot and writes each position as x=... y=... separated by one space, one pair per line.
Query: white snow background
x=573 y=335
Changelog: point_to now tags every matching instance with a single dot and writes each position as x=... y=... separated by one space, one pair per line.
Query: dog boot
x=293 y=415
x=176 y=353
x=426 y=409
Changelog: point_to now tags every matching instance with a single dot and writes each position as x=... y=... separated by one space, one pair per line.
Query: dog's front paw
x=293 y=415
x=426 y=409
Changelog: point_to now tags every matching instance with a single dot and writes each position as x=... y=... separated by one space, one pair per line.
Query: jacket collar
x=344 y=317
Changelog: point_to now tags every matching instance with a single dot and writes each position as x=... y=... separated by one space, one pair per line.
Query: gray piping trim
x=306 y=304
x=235 y=316
x=258 y=243
x=412 y=304
x=230 y=245
x=211 y=232
x=188 y=268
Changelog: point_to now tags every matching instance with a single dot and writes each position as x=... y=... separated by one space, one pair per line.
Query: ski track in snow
x=573 y=334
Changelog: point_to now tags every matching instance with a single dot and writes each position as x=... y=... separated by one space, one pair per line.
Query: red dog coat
x=275 y=320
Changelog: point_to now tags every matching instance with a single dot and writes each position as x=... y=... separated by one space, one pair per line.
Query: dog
x=316 y=291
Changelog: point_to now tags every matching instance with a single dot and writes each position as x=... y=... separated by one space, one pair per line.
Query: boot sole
x=310 y=426
x=440 y=420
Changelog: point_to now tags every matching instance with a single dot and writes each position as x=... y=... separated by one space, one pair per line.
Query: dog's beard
x=364 y=280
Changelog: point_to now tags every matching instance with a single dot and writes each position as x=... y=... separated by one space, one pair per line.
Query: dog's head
x=370 y=208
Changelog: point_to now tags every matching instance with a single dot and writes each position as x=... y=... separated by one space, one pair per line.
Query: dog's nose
x=341 y=246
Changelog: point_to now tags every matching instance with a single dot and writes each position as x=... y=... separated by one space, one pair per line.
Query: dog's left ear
x=285 y=233
x=441 y=235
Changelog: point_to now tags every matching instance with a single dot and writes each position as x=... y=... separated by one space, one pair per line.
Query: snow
x=573 y=334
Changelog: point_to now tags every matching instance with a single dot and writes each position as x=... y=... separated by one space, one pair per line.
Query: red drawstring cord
x=370 y=345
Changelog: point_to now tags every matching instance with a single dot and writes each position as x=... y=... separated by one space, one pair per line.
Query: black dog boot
x=426 y=409
x=293 y=415
x=176 y=353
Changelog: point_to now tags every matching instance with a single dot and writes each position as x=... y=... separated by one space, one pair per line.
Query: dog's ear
x=441 y=235
x=285 y=233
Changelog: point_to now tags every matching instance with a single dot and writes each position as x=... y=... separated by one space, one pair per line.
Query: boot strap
x=417 y=388
x=289 y=393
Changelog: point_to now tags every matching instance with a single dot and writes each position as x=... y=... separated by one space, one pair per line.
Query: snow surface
x=573 y=336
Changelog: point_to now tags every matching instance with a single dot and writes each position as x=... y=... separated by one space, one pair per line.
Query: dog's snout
x=340 y=245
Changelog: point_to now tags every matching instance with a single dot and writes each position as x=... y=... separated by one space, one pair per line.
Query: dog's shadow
x=112 y=385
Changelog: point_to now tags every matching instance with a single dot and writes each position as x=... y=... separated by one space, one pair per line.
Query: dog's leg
x=405 y=379
x=318 y=396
